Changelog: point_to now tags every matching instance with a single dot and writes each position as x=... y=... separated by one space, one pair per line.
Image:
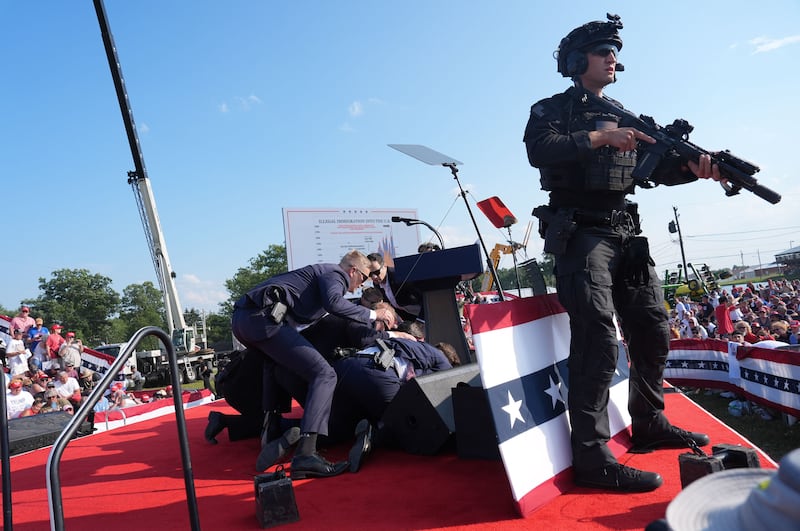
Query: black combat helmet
x=571 y=53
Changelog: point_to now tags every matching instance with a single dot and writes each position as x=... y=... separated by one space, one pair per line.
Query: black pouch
x=560 y=229
x=275 y=502
x=637 y=261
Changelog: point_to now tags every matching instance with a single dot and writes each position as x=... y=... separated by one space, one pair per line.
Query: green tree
x=218 y=328
x=81 y=301
x=117 y=332
x=142 y=305
x=548 y=265
x=269 y=263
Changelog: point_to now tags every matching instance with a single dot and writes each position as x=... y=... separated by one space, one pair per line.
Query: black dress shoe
x=271 y=428
x=619 y=478
x=275 y=449
x=216 y=423
x=315 y=466
x=673 y=437
x=362 y=446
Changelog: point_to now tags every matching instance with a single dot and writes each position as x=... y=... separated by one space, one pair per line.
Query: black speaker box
x=476 y=437
x=37 y=431
x=420 y=417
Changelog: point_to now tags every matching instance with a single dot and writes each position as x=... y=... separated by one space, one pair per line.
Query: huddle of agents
x=343 y=362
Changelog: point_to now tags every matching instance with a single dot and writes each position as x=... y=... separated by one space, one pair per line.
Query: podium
x=436 y=275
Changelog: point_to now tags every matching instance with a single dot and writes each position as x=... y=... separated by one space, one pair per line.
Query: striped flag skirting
x=522 y=347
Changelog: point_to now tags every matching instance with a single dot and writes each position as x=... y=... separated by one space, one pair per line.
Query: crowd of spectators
x=765 y=314
x=747 y=314
x=42 y=370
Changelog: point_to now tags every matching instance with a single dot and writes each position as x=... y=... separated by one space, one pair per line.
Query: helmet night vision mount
x=571 y=53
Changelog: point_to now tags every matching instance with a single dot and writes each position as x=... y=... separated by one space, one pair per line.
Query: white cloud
x=765 y=44
x=143 y=128
x=201 y=294
x=243 y=104
x=356 y=108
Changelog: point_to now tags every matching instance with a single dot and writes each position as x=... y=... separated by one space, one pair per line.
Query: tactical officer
x=602 y=266
x=268 y=319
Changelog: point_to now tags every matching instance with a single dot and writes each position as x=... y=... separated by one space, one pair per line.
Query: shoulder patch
x=538 y=110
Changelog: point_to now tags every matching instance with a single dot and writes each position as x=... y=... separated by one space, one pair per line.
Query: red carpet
x=131 y=478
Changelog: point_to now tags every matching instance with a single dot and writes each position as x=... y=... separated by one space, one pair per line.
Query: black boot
x=618 y=477
x=216 y=423
x=645 y=441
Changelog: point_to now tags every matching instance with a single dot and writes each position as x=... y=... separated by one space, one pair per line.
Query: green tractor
x=692 y=282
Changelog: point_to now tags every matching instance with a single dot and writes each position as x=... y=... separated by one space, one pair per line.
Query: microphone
x=620 y=67
x=397 y=219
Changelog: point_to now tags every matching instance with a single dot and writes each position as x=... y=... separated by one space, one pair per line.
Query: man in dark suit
x=366 y=388
x=267 y=319
x=405 y=298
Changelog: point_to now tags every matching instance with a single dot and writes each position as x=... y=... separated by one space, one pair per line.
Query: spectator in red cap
x=54 y=341
x=22 y=321
x=723 y=317
x=17 y=399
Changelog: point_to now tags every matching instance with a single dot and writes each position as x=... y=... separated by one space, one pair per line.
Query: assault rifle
x=674 y=138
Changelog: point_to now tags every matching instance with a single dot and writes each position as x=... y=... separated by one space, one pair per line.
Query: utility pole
x=674 y=227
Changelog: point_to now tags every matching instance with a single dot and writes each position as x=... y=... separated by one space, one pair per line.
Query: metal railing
x=54 y=459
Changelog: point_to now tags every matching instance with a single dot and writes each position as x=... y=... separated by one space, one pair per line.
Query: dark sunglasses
x=376 y=273
x=364 y=277
x=603 y=50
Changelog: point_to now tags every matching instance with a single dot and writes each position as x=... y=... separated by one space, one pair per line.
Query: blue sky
x=246 y=107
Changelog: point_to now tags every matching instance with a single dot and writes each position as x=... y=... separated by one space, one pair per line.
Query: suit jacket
x=311 y=292
x=408 y=299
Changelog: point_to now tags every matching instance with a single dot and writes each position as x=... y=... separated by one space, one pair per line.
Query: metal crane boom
x=144 y=196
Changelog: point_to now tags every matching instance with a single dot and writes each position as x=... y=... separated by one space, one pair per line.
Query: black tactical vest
x=607 y=169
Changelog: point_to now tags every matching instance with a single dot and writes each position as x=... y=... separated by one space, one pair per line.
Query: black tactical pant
x=592 y=288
